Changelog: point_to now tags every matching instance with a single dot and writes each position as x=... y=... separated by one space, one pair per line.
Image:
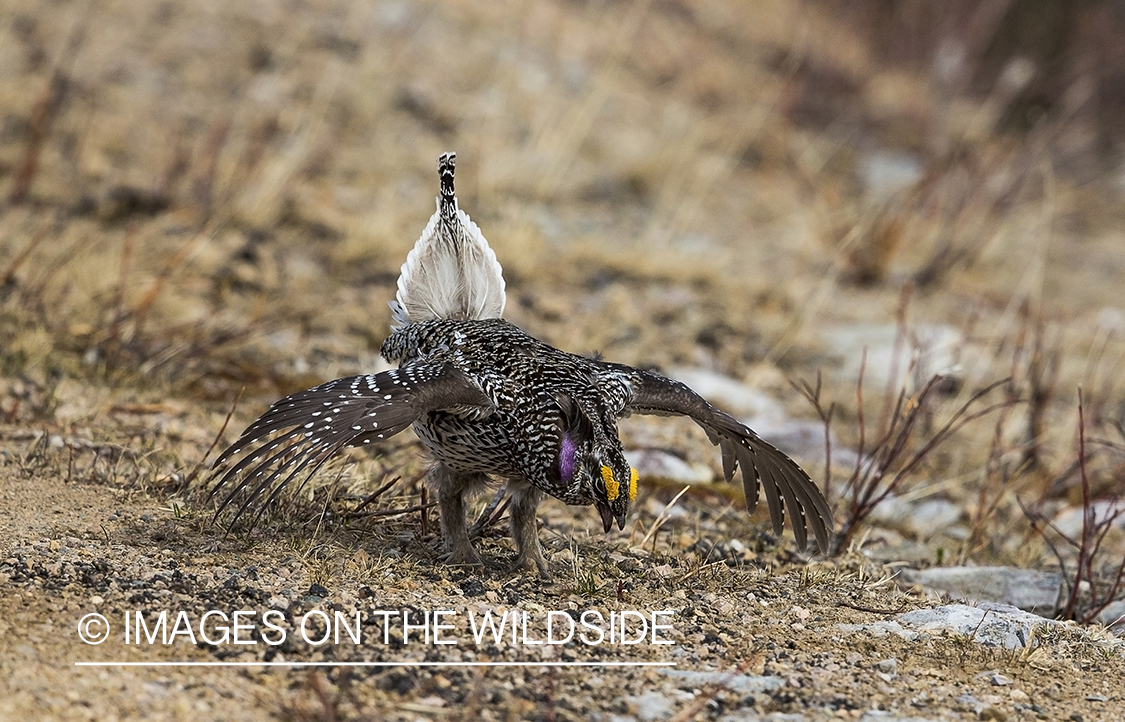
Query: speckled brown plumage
x=488 y=400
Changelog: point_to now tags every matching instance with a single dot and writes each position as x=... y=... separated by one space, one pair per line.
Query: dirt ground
x=205 y=207
x=77 y=548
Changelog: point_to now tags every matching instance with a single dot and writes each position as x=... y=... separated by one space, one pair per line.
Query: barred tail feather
x=451 y=272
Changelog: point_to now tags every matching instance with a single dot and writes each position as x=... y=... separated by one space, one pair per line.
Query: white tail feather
x=451 y=272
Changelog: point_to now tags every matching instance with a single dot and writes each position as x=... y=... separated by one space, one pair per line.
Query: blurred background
x=208 y=196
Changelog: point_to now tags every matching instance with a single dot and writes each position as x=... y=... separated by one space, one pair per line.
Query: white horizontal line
x=375 y=664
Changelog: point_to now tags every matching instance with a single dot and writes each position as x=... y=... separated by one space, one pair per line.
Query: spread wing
x=301 y=432
x=787 y=487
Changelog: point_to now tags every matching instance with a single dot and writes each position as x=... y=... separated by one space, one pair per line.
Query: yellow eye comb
x=612 y=487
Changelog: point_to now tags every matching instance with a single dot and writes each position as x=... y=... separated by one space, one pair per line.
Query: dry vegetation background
x=205 y=199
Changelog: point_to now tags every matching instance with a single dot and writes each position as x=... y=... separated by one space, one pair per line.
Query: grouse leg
x=525 y=502
x=452 y=488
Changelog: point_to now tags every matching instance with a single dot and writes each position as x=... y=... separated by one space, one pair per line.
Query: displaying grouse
x=489 y=401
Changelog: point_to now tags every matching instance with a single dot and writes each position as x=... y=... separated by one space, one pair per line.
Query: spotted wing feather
x=301 y=432
x=787 y=488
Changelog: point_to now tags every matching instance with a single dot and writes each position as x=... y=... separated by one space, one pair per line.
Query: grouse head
x=591 y=463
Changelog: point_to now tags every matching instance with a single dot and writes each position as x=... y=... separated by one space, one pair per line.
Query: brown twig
x=113 y=335
x=896 y=353
x=1087 y=514
x=181 y=257
x=812 y=395
x=207 y=165
x=1042 y=378
x=214 y=442
x=873 y=480
x=10 y=272
x=44 y=112
x=872 y=610
x=1088 y=544
x=36 y=291
x=374 y=495
x=393 y=512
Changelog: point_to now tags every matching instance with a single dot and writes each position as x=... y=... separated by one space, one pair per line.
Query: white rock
x=741 y=683
x=727 y=393
x=924 y=350
x=1114 y=616
x=933 y=516
x=1027 y=589
x=1069 y=521
x=993 y=625
x=650 y=706
x=884 y=173
x=802 y=439
x=925 y=518
x=880 y=715
x=1112 y=319
x=659 y=464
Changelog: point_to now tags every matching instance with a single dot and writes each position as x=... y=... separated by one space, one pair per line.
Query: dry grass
x=219 y=201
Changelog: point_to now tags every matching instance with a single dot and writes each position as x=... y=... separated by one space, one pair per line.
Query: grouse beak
x=621 y=521
x=607 y=516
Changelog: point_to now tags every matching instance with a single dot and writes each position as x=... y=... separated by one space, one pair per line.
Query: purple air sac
x=566 y=458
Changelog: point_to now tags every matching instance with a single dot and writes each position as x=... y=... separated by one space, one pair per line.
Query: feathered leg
x=451 y=489
x=525 y=502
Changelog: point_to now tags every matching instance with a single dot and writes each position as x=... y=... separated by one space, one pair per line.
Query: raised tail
x=451 y=272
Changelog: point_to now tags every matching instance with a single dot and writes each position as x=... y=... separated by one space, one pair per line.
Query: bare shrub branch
x=1092 y=584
